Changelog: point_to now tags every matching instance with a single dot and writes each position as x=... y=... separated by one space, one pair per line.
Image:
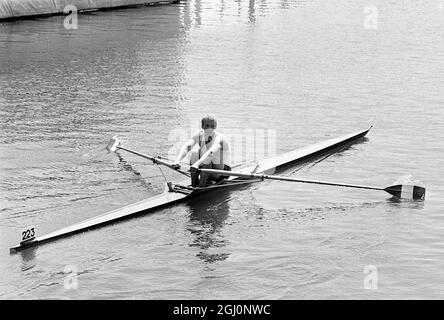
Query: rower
x=209 y=149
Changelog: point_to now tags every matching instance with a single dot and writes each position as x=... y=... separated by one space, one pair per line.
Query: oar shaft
x=272 y=177
x=155 y=160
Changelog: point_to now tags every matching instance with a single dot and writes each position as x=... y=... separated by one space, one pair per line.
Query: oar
x=400 y=191
x=114 y=145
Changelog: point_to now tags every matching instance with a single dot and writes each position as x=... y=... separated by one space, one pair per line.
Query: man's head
x=209 y=124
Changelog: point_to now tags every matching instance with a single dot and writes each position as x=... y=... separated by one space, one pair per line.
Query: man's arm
x=184 y=150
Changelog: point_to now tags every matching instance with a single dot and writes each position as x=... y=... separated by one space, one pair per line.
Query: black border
x=278 y=309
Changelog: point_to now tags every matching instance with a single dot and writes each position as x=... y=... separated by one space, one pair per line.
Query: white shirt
x=218 y=146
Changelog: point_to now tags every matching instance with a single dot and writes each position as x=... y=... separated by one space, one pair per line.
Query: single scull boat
x=175 y=193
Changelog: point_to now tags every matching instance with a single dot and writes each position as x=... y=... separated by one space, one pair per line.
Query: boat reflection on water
x=207 y=219
x=28 y=258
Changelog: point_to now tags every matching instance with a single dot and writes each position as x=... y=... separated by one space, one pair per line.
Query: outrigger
x=174 y=193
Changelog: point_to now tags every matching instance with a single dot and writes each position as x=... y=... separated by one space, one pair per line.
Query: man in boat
x=209 y=149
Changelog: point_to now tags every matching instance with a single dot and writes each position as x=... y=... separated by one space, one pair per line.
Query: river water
x=288 y=72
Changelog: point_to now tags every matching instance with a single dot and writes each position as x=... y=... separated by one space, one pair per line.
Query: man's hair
x=208 y=118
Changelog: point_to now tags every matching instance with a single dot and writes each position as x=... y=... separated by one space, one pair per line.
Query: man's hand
x=175 y=165
x=195 y=167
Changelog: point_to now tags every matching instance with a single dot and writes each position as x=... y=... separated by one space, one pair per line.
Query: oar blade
x=407 y=192
x=113 y=144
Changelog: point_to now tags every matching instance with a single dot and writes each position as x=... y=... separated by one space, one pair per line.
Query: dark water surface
x=302 y=71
